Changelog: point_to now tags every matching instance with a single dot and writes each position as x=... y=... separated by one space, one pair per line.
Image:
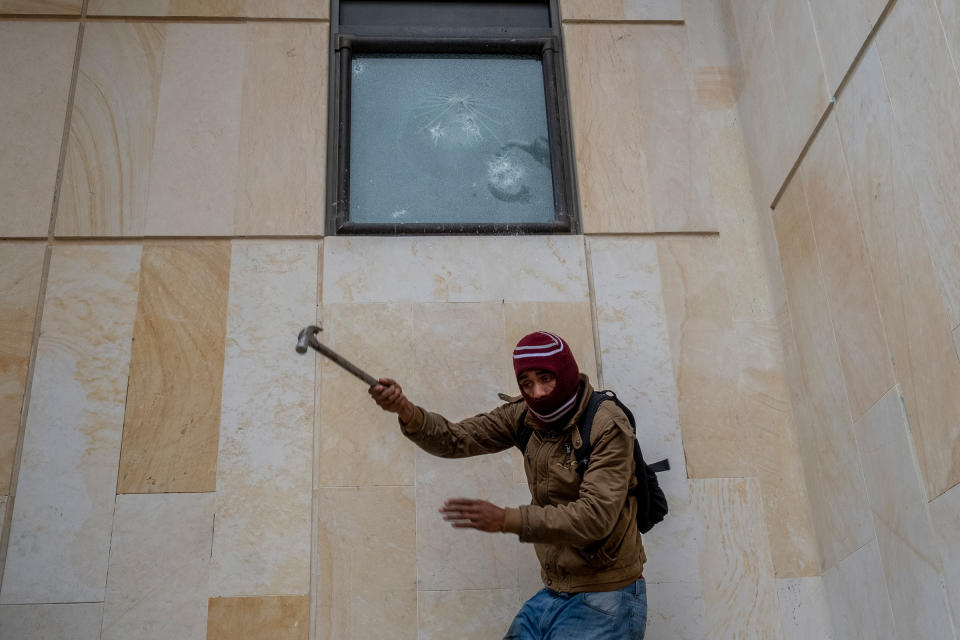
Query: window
x=448 y=117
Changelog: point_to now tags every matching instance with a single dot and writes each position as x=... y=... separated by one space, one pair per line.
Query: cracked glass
x=449 y=139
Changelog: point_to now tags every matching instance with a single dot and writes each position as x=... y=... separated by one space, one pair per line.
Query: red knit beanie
x=542 y=350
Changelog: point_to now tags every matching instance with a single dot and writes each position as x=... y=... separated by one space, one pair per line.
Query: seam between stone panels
x=665 y=21
x=594 y=320
x=5 y=526
x=65 y=137
x=315 y=447
x=201 y=19
x=834 y=97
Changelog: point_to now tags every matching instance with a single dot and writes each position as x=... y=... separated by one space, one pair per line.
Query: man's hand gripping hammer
x=308 y=338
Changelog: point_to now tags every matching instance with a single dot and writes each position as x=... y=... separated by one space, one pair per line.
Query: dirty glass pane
x=449 y=138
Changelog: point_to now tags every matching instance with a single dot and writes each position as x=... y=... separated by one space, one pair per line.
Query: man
x=584 y=531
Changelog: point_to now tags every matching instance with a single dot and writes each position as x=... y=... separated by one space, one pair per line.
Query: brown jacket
x=584 y=532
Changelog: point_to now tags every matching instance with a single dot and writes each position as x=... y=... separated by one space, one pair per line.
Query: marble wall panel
x=570 y=320
x=705 y=358
x=455 y=269
x=736 y=567
x=172 y=420
x=53 y=7
x=621 y=10
x=106 y=174
x=283 y=127
x=857 y=593
x=824 y=425
x=845 y=269
x=259 y=618
x=950 y=18
x=945 y=514
x=37 y=62
x=60 y=535
x=471 y=615
x=262 y=533
x=193 y=174
x=632 y=104
x=51 y=621
x=842 y=28
x=925 y=94
x=763 y=102
x=19 y=290
x=908 y=548
x=916 y=321
x=956 y=340
x=358 y=443
x=801 y=69
x=675 y=611
x=635 y=347
x=366 y=569
x=159 y=565
x=462 y=347
x=315 y=9
x=804 y=609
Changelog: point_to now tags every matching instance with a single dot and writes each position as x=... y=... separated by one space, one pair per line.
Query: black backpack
x=651 y=503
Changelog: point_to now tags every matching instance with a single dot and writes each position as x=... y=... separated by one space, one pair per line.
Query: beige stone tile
x=632 y=105
x=193 y=175
x=673 y=546
x=465 y=343
x=359 y=444
x=763 y=102
x=842 y=28
x=262 y=534
x=471 y=615
x=283 y=129
x=824 y=425
x=635 y=348
x=956 y=340
x=455 y=269
x=736 y=568
x=366 y=569
x=911 y=559
x=704 y=352
x=55 y=7
x=452 y=559
x=924 y=90
x=621 y=10
x=110 y=145
x=259 y=618
x=60 y=535
x=35 y=72
x=845 y=266
x=51 y=621
x=915 y=318
x=945 y=514
x=950 y=18
x=859 y=603
x=172 y=420
x=802 y=71
x=20 y=287
x=316 y=9
x=804 y=609
x=159 y=564
x=675 y=610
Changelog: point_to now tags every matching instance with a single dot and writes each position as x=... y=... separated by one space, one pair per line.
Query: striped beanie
x=543 y=350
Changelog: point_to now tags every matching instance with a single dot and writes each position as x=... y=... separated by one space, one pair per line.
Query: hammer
x=308 y=338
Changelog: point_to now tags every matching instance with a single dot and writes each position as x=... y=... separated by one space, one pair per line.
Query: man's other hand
x=464 y=513
x=389 y=396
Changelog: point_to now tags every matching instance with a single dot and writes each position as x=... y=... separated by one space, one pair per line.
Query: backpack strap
x=660 y=466
x=523 y=433
x=585 y=426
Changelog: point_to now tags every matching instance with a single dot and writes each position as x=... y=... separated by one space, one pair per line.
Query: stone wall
x=172 y=469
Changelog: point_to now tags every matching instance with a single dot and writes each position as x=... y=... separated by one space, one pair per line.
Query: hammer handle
x=343 y=362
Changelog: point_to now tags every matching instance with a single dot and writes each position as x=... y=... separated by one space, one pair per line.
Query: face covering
x=543 y=350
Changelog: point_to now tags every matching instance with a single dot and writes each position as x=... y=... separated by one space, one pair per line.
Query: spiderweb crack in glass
x=449 y=138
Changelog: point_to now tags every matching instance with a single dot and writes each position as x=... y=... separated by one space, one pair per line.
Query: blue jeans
x=600 y=615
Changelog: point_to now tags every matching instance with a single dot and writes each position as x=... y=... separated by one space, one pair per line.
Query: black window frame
x=546 y=43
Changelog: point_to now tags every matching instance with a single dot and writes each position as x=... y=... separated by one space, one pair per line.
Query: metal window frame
x=544 y=43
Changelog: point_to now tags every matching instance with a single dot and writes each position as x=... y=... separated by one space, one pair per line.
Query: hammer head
x=307 y=338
